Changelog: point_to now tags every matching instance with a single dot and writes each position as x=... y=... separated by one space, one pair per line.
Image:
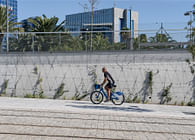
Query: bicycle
x=97 y=96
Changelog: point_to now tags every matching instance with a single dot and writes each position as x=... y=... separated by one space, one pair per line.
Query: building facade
x=112 y=20
x=13 y=6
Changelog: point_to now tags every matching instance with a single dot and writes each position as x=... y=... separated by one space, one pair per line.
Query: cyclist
x=110 y=84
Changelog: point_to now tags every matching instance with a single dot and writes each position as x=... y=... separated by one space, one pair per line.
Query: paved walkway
x=24 y=119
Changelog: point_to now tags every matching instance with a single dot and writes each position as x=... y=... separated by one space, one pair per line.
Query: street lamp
x=7 y=22
x=190 y=13
x=86 y=48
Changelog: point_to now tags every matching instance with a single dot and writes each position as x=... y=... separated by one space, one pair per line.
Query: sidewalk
x=23 y=119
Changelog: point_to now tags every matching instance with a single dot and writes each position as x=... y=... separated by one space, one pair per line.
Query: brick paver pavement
x=24 y=119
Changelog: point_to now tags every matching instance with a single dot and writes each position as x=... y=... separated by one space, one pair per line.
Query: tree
x=100 y=42
x=3 y=20
x=143 y=38
x=21 y=43
x=125 y=34
x=162 y=41
x=160 y=38
x=44 y=24
x=136 y=43
x=45 y=42
x=191 y=37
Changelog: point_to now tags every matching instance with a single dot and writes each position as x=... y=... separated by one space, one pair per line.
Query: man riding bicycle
x=108 y=87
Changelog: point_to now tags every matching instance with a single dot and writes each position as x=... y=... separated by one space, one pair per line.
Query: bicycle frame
x=112 y=96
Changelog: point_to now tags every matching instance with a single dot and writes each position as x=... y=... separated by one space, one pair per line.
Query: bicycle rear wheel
x=96 y=97
x=118 y=99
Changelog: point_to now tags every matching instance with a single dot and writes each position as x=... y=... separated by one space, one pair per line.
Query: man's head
x=103 y=69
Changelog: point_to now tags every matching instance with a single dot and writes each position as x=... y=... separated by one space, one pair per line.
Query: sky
x=151 y=12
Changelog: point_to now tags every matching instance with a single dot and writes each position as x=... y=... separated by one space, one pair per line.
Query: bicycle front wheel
x=118 y=99
x=96 y=97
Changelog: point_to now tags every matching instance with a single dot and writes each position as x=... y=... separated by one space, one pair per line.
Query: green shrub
x=188 y=61
x=191 y=103
x=138 y=100
x=60 y=91
x=35 y=70
x=41 y=96
x=150 y=82
x=165 y=96
x=134 y=99
x=192 y=69
x=29 y=95
x=129 y=100
x=182 y=103
x=4 y=87
x=146 y=102
x=41 y=93
x=5 y=84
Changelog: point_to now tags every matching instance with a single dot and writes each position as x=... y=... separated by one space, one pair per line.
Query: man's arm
x=105 y=79
x=112 y=79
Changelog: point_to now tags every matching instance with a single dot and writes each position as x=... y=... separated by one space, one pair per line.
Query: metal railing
x=101 y=41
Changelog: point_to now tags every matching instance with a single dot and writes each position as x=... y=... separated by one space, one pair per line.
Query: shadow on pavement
x=82 y=103
x=113 y=108
x=189 y=113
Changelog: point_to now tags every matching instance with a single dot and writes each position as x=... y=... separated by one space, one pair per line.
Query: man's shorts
x=109 y=85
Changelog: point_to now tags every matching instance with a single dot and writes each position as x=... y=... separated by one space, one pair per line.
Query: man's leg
x=108 y=92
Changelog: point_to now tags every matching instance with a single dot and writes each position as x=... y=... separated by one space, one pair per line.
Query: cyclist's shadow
x=108 y=107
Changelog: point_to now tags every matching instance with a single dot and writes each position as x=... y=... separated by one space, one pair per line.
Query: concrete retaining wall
x=79 y=71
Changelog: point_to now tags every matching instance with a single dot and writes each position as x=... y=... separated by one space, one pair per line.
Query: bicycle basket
x=97 y=86
x=114 y=88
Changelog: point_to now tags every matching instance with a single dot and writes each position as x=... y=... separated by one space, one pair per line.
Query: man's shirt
x=109 y=77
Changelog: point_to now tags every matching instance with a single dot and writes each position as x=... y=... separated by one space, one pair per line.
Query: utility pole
x=92 y=9
x=7 y=22
x=191 y=14
x=85 y=7
x=191 y=40
x=92 y=3
x=130 y=29
x=114 y=4
x=191 y=30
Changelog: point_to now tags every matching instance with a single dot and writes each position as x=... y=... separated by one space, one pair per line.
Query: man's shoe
x=106 y=100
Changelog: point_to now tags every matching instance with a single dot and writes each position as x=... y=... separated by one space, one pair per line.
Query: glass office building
x=112 y=19
x=13 y=6
x=14 y=11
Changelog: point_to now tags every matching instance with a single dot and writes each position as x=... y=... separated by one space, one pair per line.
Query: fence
x=94 y=41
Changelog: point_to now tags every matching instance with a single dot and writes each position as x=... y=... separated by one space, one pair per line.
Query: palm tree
x=101 y=42
x=45 y=42
x=21 y=43
x=44 y=24
x=3 y=23
x=191 y=37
